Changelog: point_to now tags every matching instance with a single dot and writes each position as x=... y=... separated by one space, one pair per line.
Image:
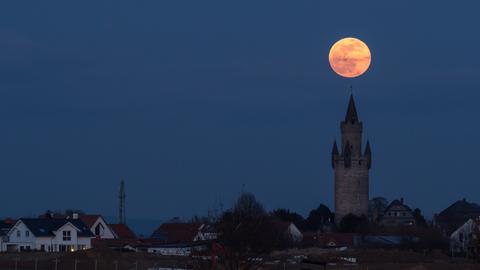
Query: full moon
x=349 y=57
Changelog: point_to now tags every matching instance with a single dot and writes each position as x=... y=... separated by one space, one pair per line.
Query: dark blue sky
x=190 y=100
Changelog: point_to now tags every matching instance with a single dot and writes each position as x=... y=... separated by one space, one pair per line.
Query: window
x=99 y=229
x=27 y=233
x=460 y=237
x=403 y=214
x=67 y=235
x=18 y=233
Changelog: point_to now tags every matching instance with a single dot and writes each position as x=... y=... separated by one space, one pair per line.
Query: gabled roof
x=122 y=231
x=44 y=227
x=89 y=220
x=177 y=232
x=397 y=203
x=460 y=208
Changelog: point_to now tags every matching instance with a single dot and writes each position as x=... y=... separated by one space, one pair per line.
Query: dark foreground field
x=111 y=260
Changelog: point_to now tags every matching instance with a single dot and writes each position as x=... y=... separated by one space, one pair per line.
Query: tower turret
x=368 y=154
x=334 y=153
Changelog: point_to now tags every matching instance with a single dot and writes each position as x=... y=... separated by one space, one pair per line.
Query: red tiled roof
x=89 y=220
x=179 y=232
x=122 y=231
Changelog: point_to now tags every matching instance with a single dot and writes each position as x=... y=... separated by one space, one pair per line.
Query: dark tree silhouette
x=319 y=217
x=376 y=208
x=285 y=215
x=419 y=218
x=354 y=224
x=246 y=234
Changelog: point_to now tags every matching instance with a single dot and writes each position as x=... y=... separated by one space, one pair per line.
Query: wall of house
x=44 y=243
x=20 y=237
x=398 y=215
x=106 y=233
x=460 y=239
x=74 y=243
x=294 y=233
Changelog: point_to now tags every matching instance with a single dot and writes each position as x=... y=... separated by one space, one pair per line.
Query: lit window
x=67 y=236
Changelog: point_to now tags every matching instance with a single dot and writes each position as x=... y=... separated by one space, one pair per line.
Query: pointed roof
x=351 y=115
x=335 y=148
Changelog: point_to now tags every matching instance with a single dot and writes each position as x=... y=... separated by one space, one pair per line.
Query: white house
x=49 y=235
x=98 y=226
x=290 y=231
x=175 y=249
x=206 y=232
x=463 y=240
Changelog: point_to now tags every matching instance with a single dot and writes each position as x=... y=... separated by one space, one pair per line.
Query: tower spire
x=351 y=115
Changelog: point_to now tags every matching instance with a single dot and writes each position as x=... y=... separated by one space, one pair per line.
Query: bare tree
x=246 y=235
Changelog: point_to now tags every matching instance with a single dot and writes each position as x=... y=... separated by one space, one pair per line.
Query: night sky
x=193 y=101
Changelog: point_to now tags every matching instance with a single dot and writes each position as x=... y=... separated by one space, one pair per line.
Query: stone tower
x=351 y=167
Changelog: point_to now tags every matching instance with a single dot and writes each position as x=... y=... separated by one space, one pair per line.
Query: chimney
x=75 y=216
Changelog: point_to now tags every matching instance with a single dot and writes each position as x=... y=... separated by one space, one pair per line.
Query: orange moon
x=349 y=57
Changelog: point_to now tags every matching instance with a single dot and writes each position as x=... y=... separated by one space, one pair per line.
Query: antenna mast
x=122 y=217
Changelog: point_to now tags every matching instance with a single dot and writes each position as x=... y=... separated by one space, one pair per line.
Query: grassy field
x=111 y=260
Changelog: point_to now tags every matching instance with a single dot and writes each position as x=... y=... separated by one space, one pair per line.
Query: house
x=98 y=226
x=456 y=215
x=49 y=235
x=464 y=240
x=175 y=233
x=397 y=214
x=122 y=231
x=180 y=239
x=290 y=232
x=206 y=232
x=125 y=239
